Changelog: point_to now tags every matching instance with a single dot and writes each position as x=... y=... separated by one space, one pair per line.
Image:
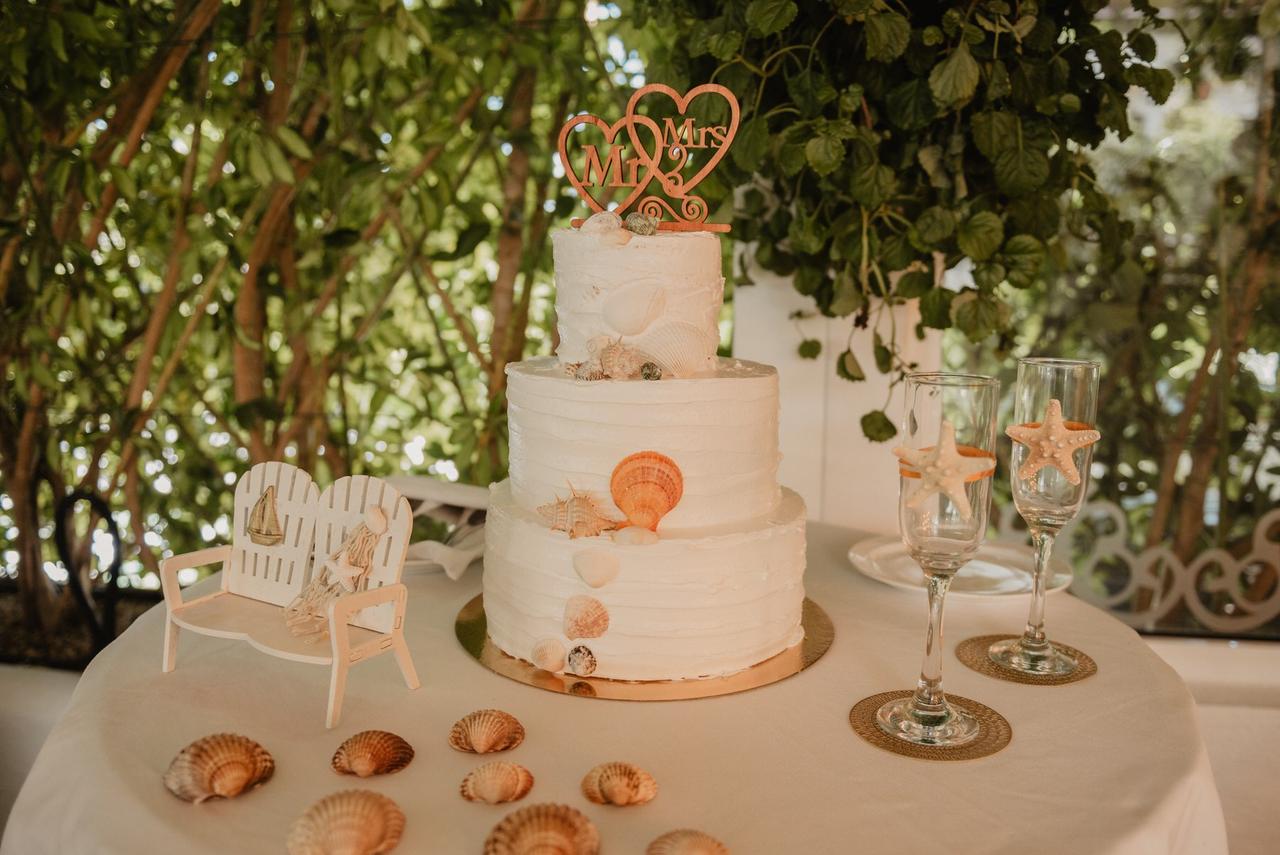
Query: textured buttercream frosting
x=650 y=292
x=721 y=429
x=701 y=605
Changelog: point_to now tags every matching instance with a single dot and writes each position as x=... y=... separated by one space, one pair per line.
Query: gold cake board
x=471 y=628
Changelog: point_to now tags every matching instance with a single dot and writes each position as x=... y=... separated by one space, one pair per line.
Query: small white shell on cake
x=585 y=617
x=630 y=310
x=635 y=535
x=497 y=782
x=352 y=822
x=619 y=784
x=679 y=348
x=582 y=661
x=596 y=567
x=549 y=655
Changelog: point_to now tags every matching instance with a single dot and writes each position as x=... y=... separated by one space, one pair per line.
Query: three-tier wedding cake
x=642 y=534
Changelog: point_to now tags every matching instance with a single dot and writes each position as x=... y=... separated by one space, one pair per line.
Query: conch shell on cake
x=352 y=822
x=630 y=310
x=619 y=784
x=486 y=731
x=686 y=841
x=617 y=361
x=548 y=655
x=372 y=752
x=585 y=617
x=679 y=348
x=497 y=782
x=544 y=829
x=222 y=765
x=596 y=567
x=580 y=515
x=645 y=486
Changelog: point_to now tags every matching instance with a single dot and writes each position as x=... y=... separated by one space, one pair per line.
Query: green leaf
x=935 y=308
x=810 y=348
x=751 y=144
x=955 y=78
x=877 y=427
x=724 y=45
x=294 y=142
x=887 y=36
x=1023 y=256
x=917 y=283
x=1021 y=170
x=935 y=224
x=848 y=368
x=1143 y=44
x=976 y=315
x=998 y=85
x=1069 y=103
x=994 y=131
x=872 y=185
x=848 y=296
x=56 y=40
x=824 y=154
x=930 y=159
x=280 y=167
x=258 y=167
x=980 y=235
x=882 y=354
x=766 y=17
x=810 y=90
x=988 y=275
x=124 y=182
x=910 y=106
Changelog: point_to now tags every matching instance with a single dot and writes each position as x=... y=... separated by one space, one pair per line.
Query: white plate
x=997 y=570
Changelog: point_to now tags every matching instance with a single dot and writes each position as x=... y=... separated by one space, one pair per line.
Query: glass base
x=951 y=725
x=1048 y=660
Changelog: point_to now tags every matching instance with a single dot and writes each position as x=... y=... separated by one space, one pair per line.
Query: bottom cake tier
x=678 y=608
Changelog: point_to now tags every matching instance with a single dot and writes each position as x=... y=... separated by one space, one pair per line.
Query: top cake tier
x=658 y=294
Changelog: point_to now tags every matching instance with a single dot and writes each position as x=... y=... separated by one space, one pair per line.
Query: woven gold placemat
x=994 y=731
x=973 y=653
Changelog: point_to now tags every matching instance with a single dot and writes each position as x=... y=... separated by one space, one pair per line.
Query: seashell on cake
x=497 y=782
x=372 y=752
x=544 y=829
x=619 y=784
x=352 y=822
x=221 y=765
x=596 y=567
x=548 y=655
x=686 y=841
x=582 y=661
x=634 y=535
x=486 y=731
x=630 y=310
x=580 y=515
x=645 y=486
x=618 y=361
x=585 y=617
x=679 y=348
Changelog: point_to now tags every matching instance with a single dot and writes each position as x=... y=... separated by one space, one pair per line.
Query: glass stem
x=929 y=703
x=1033 y=637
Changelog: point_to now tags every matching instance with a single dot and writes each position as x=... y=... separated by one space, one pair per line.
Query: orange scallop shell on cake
x=645 y=487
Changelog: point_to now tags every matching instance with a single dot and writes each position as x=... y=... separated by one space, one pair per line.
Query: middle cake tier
x=721 y=429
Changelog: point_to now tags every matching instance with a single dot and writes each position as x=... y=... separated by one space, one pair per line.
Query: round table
x=1108 y=765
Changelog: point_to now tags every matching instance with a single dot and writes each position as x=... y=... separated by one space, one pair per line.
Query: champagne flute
x=946 y=461
x=1056 y=404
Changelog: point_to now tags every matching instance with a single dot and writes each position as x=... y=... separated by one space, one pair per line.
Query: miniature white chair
x=258 y=580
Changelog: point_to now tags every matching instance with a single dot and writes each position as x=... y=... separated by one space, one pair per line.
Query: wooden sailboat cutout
x=264 y=526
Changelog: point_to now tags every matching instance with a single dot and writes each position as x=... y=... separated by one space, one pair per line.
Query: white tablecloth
x=1114 y=764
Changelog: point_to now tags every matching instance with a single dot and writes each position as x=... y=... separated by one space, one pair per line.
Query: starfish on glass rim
x=1051 y=443
x=943 y=469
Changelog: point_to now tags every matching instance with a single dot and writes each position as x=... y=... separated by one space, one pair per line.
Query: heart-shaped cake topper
x=675 y=142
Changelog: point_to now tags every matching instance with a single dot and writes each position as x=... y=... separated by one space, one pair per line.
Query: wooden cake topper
x=657 y=153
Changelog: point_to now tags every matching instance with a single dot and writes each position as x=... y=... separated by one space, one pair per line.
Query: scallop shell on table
x=645 y=486
x=585 y=617
x=352 y=822
x=632 y=309
x=686 y=841
x=596 y=567
x=548 y=654
x=497 y=782
x=679 y=348
x=221 y=765
x=372 y=752
x=619 y=784
x=486 y=731
x=582 y=661
x=544 y=829
x=580 y=515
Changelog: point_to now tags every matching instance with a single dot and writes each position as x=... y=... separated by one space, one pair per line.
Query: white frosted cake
x=642 y=534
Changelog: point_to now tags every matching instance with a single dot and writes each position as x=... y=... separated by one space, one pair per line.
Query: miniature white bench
x=258 y=580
